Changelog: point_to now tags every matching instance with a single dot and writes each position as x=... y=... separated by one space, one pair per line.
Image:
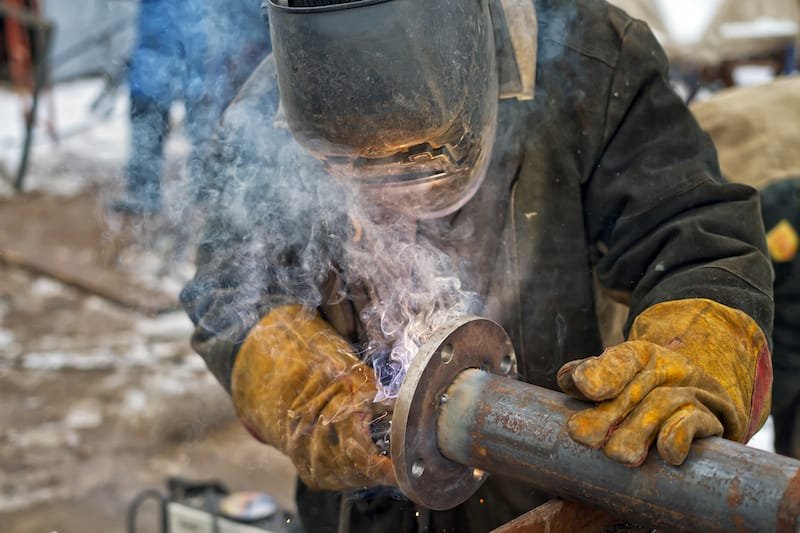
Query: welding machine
x=209 y=507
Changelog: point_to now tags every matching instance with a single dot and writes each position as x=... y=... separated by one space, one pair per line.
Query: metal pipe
x=506 y=427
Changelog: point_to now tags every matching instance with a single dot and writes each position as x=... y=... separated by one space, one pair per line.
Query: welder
x=547 y=132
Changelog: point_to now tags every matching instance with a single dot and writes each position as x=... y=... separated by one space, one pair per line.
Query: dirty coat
x=603 y=184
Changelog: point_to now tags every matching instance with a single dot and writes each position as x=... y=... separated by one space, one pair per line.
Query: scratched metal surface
x=507 y=427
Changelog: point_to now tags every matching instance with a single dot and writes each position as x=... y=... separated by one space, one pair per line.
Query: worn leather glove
x=296 y=385
x=691 y=368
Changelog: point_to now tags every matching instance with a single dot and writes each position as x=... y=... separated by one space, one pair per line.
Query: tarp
x=712 y=31
x=756 y=130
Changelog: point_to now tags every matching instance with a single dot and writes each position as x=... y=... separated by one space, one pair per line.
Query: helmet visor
x=398 y=97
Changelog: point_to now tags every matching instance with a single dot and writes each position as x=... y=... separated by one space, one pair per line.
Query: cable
x=133 y=509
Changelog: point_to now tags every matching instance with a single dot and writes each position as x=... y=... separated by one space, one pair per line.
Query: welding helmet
x=398 y=97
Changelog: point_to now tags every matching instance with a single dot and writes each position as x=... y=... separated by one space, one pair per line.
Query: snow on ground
x=85 y=384
x=764 y=439
x=760 y=28
x=687 y=21
x=72 y=141
x=76 y=148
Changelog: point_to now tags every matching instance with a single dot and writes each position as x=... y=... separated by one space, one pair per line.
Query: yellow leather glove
x=296 y=385
x=691 y=368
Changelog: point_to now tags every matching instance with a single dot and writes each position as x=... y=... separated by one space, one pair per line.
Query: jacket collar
x=516 y=31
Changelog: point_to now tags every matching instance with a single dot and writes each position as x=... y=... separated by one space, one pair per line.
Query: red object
x=18 y=47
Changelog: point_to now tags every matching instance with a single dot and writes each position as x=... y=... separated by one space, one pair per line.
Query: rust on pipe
x=506 y=427
x=789 y=508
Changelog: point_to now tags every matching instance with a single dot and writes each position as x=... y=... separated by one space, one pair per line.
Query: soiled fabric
x=604 y=176
x=690 y=369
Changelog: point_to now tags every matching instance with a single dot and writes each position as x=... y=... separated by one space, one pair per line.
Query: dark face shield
x=398 y=96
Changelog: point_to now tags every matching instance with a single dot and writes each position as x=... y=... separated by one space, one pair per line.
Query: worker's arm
x=686 y=252
x=295 y=383
x=234 y=285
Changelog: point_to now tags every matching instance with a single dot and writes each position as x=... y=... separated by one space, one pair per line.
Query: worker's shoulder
x=593 y=28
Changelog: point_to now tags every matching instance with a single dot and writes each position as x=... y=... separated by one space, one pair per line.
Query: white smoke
x=279 y=225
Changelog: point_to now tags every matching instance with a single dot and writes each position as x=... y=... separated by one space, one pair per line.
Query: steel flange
x=425 y=476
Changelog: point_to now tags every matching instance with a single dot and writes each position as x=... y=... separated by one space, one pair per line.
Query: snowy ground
x=764 y=439
x=71 y=135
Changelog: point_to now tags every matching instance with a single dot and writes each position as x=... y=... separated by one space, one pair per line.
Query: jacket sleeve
x=258 y=249
x=220 y=316
x=661 y=222
x=228 y=295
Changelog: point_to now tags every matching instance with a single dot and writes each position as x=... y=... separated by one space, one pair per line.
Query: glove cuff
x=726 y=343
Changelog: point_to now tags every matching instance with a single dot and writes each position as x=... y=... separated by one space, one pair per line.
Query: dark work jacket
x=603 y=180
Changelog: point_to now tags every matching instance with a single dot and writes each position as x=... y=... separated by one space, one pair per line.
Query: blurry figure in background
x=757 y=134
x=780 y=203
x=198 y=51
x=530 y=154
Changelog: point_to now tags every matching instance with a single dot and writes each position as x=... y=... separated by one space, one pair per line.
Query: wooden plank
x=559 y=516
x=67 y=239
x=95 y=281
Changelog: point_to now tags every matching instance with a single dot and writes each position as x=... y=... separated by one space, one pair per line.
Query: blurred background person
x=781 y=210
x=197 y=51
